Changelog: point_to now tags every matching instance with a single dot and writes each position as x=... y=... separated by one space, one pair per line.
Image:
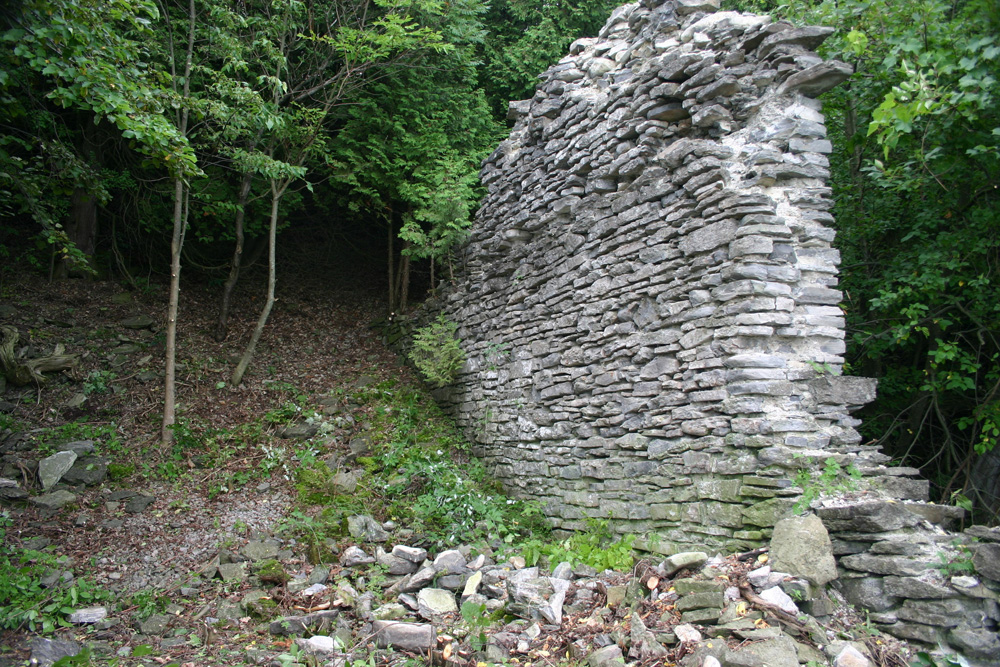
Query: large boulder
x=801 y=546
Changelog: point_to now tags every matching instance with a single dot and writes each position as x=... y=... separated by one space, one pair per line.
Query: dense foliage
x=915 y=179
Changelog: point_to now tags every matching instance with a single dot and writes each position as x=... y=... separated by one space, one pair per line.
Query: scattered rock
x=687 y=633
x=363 y=527
x=138 y=322
x=301 y=431
x=688 y=559
x=258 y=550
x=434 y=602
x=298 y=625
x=88 y=470
x=88 y=615
x=418 y=637
x=52 y=468
x=138 y=503
x=233 y=572
x=81 y=447
x=850 y=657
x=320 y=645
x=780 y=599
x=609 y=656
x=536 y=598
x=11 y=490
x=54 y=501
x=155 y=624
x=46 y=652
x=801 y=546
x=354 y=556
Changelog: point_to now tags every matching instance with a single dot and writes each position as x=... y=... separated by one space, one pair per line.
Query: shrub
x=436 y=352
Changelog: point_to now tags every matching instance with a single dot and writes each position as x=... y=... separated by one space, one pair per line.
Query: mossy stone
x=271 y=571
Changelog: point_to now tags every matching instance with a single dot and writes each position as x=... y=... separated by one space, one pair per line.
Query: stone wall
x=918 y=579
x=648 y=299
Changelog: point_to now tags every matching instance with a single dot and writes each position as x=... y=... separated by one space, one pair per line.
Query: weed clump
x=437 y=353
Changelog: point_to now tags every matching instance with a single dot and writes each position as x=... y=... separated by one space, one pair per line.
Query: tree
x=409 y=153
x=324 y=54
x=526 y=37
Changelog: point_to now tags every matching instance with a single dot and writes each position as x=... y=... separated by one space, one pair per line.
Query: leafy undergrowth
x=369 y=417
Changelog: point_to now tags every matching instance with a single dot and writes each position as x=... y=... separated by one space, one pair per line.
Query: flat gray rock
x=987 y=561
x=233 y=571
x=395 y=565
x=81 y=447
x=88 y=470
x=353 y=556
x=451 y=562
x=801 y=546
x=52 y=468
x=88 y=615
x=688 y=559
x=257 y=550
x=45 y=652
x=54 y=500
x=138 y=503
x=138 y=322
x=434 y=602
x=363 y=527
x=417 y=637
x=609 y=656
x=155 y=624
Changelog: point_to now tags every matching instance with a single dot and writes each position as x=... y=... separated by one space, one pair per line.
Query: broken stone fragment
x=320 y=645
x=363 y=527
x=418 y=637
x=46 y=652
x=88 y=615
x=609 y=656
x=801 y=546
x=138 y=322
x=537 y=598
x=54 y=501
x=435 y=602
x=353 y=556
x=52 y=468
x=818 y=79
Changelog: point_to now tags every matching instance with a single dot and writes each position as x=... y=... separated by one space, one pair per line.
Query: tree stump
x=22 y=372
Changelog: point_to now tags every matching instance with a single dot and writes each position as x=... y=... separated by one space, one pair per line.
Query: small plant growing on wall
x=436 y=352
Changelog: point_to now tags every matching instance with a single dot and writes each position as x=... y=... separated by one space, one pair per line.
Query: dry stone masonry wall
x=649 y=298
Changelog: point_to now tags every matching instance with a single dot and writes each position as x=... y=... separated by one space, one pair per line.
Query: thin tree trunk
x=222 y=327
x=181 y=194
x=403 y=291
x=176 y=243
x=389 y=263
x=241 y=367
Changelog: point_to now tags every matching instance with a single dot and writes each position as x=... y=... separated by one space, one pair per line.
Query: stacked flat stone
x=919 y=580
x=649 y=300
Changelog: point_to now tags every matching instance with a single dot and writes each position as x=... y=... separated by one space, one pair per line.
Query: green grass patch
x=27 y=602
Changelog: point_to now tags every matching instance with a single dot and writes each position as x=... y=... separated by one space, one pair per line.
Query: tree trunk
x=176 y=243
x=181 y=195
x=403 y=288
x=222 y=327
x=391 y=261
x=241 y=368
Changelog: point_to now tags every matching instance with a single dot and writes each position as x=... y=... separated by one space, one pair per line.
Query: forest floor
x=232 y=483
x=318 y=341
